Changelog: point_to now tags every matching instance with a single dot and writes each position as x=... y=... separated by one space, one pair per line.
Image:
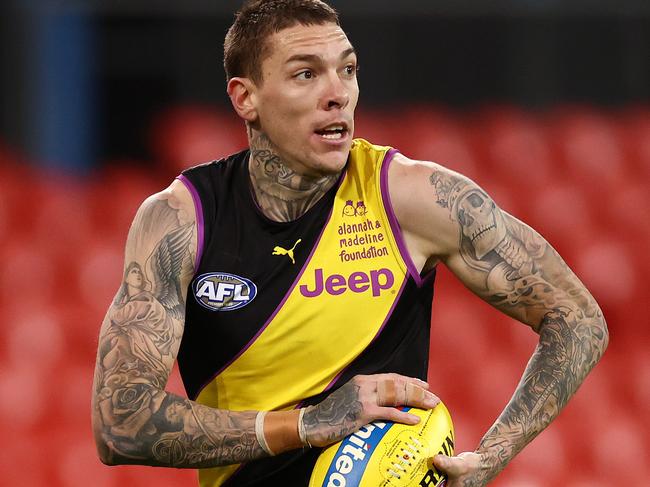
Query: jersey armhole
x=200 y=224
x=394 y=224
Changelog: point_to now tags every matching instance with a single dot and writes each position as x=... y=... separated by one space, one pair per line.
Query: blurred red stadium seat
x=431 y=134
x=76 y=379
x=117 y=193
x=514 y=148
x=563 y=215
x=185 y=136
x=514 y=478
x=100 y=275
x=175 y=383
x=25 y=461
x=506 y=197
x=492 y=382
x=608 y=269
x=34 y=337
x=136 y=476
x=635 y=127
x=77 y=463
x=24 y=394
x=376 y=126
x=543 y=461
x=27 y=274
x=639 y=389
x=588 y=146
x=620 y=454
x=62 y=212
x=80 y=325
x=62 y=228
x=18 y=198
x=627 y=215
x=458 y=324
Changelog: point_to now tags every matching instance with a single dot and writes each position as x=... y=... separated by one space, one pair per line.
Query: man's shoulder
x=369 y=159
x=413 y=186
x=361 y=144
x=219 y=164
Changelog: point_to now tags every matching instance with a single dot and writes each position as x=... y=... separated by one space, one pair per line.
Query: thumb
x=450 y=465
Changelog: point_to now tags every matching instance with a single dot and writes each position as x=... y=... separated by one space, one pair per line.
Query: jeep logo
x=219 y=291
x=357 y=282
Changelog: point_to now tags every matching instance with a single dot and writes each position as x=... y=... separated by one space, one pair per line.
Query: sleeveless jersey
x=278 y=315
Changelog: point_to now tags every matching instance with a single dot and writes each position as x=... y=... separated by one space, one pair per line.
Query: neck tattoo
x=283 y=194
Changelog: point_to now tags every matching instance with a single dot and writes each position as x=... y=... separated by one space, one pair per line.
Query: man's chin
x=331 y=161
x=329 y=164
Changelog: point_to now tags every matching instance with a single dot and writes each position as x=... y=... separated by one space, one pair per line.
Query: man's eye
x=305 y=75
x=351 y=69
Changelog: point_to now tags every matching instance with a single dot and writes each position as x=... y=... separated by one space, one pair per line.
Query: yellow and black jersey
x=278 y=315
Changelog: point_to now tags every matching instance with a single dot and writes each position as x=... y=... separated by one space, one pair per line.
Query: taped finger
x=414 y=394
x=386 y=393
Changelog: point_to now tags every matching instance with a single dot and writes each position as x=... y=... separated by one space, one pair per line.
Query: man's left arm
x=449 y=218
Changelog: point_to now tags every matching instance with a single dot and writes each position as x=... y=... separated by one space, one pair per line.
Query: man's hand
x=364 y=399
x=463 y=470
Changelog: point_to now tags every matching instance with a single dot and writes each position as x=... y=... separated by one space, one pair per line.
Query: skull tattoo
x=481 y=223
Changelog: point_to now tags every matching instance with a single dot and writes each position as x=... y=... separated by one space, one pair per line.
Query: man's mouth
x=333 y=132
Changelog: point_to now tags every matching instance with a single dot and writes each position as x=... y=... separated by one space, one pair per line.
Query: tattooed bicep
x=163 y=216
x=500 y=258
x=479 y=221
x=144 y=323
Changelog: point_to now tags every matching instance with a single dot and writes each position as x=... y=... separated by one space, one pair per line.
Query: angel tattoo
x=142 y=308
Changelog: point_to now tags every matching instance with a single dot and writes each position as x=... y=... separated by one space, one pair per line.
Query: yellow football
x=387 y=454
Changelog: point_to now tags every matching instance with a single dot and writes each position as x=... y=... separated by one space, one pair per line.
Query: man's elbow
x=601 y=337
x=105 y=451
x=105 y=456
x=105 y=445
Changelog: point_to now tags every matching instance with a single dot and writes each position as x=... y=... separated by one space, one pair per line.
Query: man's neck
x=283 y=194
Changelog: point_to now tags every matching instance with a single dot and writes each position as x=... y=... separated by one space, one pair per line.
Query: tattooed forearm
x=516 y=270
x=134 y=419
x=144 y=425
x=570 y=345
x=140 y=423
x=282 y=193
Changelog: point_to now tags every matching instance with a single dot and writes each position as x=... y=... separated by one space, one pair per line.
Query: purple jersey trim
x=394 y=224
x=200 y=224
x=279 y=307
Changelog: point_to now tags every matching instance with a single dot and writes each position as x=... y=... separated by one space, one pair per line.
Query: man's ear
x=242 y=96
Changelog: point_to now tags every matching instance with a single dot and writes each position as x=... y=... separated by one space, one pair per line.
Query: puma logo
x=280 y=251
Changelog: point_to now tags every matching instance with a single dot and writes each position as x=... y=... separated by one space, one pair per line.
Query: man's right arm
x=135 y=421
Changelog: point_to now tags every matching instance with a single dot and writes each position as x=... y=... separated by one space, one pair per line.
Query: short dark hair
x=246 y=47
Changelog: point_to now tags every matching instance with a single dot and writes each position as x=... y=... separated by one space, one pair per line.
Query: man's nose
x=337 y=94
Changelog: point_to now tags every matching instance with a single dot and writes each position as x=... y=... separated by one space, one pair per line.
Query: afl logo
x=219 y=291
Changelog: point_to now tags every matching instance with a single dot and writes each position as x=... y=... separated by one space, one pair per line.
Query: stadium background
x=544 y=103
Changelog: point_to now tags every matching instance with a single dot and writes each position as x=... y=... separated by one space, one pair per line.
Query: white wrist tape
x=301 y=429
x=259 y=432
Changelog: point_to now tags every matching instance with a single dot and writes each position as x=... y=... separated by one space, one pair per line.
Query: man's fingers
x=398 y=377
x=451 y=466
x=419 y=397
x=397 y=416
x=386 y=393
x=391 y=392
x=458 y=465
